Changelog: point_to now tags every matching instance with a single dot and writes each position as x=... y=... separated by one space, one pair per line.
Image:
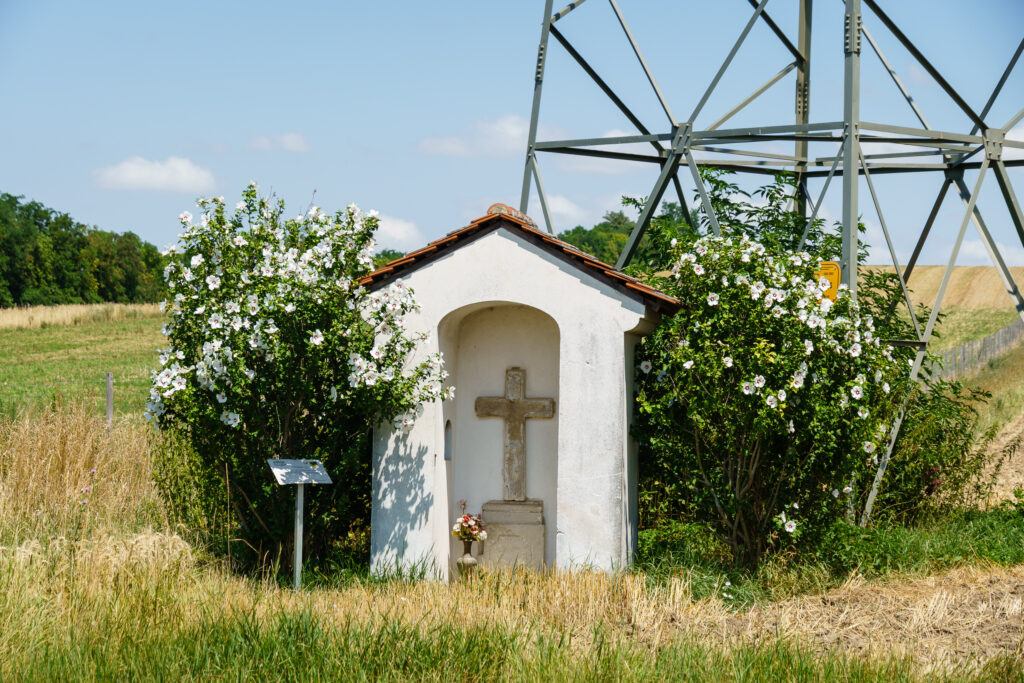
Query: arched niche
x=480 y=342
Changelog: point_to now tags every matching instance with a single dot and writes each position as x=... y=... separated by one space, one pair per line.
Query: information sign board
x=298 y=471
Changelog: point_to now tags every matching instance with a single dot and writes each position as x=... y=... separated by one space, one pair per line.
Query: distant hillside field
x=60 y=354
x=975 y=305
x=969 y=286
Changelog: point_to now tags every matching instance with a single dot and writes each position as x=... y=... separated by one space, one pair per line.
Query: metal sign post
x=299 y=472
x=297 y=561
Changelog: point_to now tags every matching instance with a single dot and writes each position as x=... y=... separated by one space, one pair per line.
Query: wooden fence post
x=110 y=398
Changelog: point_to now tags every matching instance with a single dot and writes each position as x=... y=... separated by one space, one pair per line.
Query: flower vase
x=467 y=564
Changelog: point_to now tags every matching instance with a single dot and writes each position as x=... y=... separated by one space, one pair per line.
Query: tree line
x=46 y=257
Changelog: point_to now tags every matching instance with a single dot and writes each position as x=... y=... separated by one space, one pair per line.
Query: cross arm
x=491 y=406
x=537 y=407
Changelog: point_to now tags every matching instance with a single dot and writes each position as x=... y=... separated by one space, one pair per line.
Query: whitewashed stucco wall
x=595 y=522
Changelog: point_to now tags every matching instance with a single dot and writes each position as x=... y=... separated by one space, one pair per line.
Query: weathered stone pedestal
x=515 y=534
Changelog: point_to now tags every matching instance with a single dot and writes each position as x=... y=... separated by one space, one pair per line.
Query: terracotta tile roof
x=501 y=215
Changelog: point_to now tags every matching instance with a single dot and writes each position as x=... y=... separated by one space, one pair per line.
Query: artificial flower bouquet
x=469 y=528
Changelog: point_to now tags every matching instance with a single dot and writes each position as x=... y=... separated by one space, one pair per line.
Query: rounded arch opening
x=480 y=342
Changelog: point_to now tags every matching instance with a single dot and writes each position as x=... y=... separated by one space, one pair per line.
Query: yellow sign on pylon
x=830 y=271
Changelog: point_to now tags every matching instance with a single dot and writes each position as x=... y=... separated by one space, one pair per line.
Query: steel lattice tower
x=927 y=150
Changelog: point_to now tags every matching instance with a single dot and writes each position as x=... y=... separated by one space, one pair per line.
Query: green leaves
x=763 y=392
x=276 y=351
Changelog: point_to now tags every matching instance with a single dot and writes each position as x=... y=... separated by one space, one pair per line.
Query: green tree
x=606 y=240
x=276 y=352
x=386 y=256
x=936 y=462
x=764 y=399
x=48 y=258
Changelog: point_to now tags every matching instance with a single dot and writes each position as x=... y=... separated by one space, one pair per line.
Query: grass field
x=62 y=355
x=960 y=324
x=1004 y=378
x=96 y=583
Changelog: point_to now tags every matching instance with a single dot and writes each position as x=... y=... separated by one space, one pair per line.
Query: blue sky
x=122 y=113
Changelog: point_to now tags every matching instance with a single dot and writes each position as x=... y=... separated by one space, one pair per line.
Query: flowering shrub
x=276 y=351
x=469 y=528
x=765 y=400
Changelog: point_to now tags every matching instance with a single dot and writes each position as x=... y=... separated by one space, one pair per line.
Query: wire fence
x=106 y=393
x=969 y=356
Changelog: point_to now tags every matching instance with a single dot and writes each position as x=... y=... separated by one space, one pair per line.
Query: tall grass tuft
x=66 y=474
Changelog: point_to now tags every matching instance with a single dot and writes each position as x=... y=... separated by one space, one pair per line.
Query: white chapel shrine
x=538 y=339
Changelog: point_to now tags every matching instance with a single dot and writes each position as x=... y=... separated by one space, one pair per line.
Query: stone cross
x=514 y=408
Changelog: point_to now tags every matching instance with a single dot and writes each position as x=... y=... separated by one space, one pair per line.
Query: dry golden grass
x=34 y=317
x=66 y=470
x=114 y=566
x=969 y=286
x=943 y=622
x=954 y=621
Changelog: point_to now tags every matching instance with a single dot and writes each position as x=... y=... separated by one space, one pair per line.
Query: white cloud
x=174 y=174
x=567 y=213
x=1016 y=133
x=261 y=143
x=503 y=137
x=878 y=250
x=599 y=166
x=396 y=233
x=975 y=251
x=288 y=142
x=506 y=137
x=293 y=142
